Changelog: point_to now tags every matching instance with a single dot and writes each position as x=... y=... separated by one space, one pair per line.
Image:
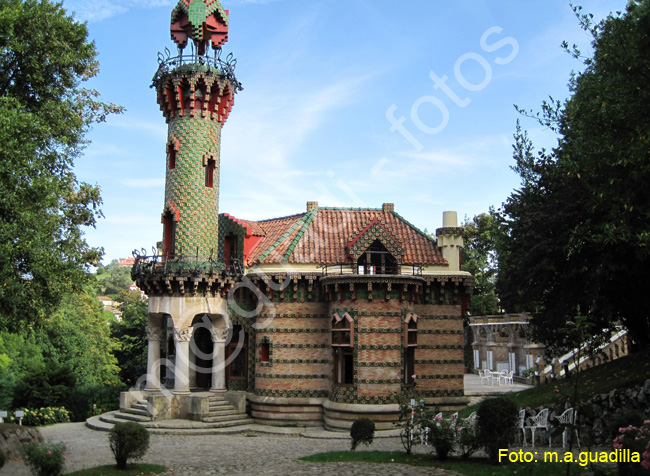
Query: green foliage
x=110 y=470
x=128 y=441
x=78 y=335
x=113 y=278
x=413 y=417
x=45 y=416
x=362 y=431
x=44 y=115
x=497 y=421
x=637 y=440
x=482 y=237
x=579 y=226
x=45 y=459
x=468 y=438
x=87 y=400
x=17 y=354
x=622 y=418
x=132 y=354
x=44 y=385
x=443 y=436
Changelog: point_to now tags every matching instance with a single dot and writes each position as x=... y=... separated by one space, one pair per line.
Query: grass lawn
x=110 y=470
x=471 y=467
x=626 y=371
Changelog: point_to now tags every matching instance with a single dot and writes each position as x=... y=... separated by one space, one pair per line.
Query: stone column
x=154 y=335
x=218 y=360
x=182 y=339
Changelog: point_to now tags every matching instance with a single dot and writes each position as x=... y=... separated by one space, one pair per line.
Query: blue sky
x=321 y=79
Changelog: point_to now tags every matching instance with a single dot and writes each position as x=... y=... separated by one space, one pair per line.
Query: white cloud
x=98 y=10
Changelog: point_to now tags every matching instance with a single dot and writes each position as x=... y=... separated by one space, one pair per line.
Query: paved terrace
x=247 y=451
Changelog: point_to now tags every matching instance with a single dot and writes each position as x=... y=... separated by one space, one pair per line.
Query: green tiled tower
x=195 y=93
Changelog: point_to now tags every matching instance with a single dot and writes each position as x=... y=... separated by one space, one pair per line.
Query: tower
x=196 y=93
x=188 y=321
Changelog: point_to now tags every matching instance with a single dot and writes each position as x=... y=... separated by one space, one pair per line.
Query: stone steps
x=223 y=413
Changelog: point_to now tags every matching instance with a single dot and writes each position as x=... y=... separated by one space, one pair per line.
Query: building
x=312 y=319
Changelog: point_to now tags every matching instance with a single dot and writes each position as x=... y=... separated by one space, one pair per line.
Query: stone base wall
x=297 y=412
x=12 y=438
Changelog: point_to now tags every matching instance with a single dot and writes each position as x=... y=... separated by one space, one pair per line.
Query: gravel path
x=245 y=454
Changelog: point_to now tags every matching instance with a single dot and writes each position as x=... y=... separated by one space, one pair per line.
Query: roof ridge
x=307 y=219
x=353 y=209
x=431 y=239
x=286 y=235
x=278 y=218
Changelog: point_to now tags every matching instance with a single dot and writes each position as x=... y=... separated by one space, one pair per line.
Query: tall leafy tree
x=132 y=354
x=45 y=57
x=579 y=225
x=480 y=257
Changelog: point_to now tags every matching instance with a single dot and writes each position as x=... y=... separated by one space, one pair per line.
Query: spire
x=202 y=21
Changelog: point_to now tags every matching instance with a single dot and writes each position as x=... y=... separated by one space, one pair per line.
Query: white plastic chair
x=484 y=375
x=568 y=418
x=502 y=376
x=539 y=421
x=522 y=425
x=507 y=378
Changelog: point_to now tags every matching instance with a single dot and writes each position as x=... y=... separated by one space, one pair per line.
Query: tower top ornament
x=203 y=21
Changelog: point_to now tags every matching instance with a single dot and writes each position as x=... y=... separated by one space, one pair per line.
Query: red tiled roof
x=322 y=236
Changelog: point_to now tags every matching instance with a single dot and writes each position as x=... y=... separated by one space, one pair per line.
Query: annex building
x=311 y=319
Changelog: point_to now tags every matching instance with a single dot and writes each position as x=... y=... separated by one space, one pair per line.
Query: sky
x=349 y=103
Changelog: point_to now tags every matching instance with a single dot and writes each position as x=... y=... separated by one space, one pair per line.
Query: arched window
x=342 y=346
x=410 y=344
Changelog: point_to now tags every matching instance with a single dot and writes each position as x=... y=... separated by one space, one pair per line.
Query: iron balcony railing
x=182 y=264
x=167 y=63
x=344 y=269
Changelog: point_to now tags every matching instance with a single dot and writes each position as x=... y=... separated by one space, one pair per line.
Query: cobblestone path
x=237 y=455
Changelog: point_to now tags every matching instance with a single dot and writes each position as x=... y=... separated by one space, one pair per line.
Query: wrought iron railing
x=166 y=63
x=344 y=269
x=181 y=264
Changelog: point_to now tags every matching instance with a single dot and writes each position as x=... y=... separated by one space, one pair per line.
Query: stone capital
x=184 y=334
x=154 y=334
x=219 y=335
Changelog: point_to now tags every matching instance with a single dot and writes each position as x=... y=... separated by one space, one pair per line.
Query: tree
x=44 y=114
x=579 y=226
x=479 y=257
x=113 y=278
x=77 y=335
x=132 y=354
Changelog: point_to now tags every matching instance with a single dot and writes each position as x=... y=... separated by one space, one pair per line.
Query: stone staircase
x=221 y=415
x=138 y=413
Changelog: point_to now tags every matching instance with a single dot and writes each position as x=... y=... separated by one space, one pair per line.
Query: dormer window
x=377 y=260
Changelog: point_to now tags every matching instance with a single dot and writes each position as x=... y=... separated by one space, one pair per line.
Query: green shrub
x=128 y=441
x=89 y=400
x=497 y=421
x=468 y=441
x=45 y=459
x=3 y=459
x=622 y=418
x=45 y=416
x=362 y=431
x=443 y=436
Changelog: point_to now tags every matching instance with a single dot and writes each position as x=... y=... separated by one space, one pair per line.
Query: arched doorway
x=202 y=349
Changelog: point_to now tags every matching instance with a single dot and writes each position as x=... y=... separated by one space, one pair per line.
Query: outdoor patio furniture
x=539 y=421
x=484 y=375
x=569 y=417
x=507 y=377
x=522 y=425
